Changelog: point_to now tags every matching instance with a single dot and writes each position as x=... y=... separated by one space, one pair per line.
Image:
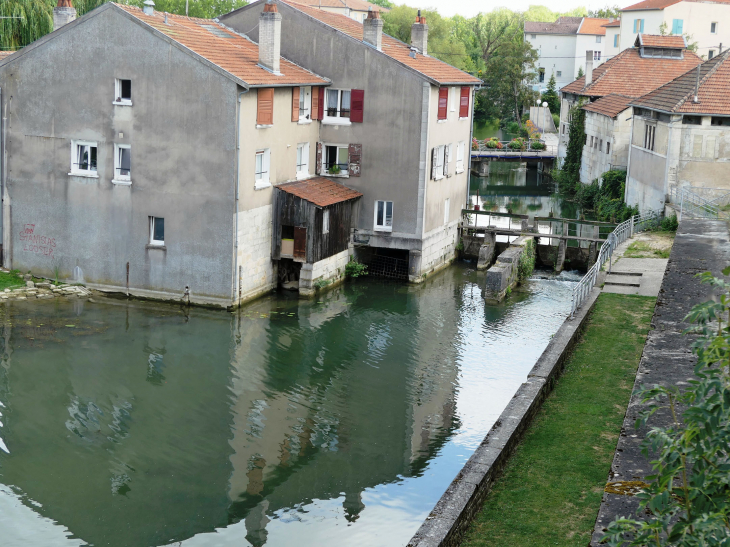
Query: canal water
x=334 y=421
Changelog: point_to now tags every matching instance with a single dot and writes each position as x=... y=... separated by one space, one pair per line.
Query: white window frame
x=263 y=181
x=447 y=206
x=713 y=29
x=598 y=39
x=383 y=227
x=323 y=167
x=438 y=172
x=460 y=148
x=75 y=171
x=118 y=93
x=118 y=178
x=152 y=240
x=338 y=119
x=305 y=105
x=302 y=168
x=326 y=221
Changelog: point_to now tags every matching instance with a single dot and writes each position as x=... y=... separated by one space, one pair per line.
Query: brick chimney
x=63 y=14
x=419 y=34
x=589 y=68
x=270 y=38
x=372 y=29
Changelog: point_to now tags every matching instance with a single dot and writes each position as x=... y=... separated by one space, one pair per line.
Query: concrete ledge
x=446 y=524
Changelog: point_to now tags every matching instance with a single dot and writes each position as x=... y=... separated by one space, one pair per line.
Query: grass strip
x=551 y=488
x=10 y=280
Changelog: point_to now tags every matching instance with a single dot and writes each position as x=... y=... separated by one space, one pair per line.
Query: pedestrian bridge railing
x=699 y=202
x=623 y=231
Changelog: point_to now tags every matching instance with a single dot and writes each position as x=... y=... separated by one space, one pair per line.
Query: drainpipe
x=6 y=262
x=235 y=191
x=468 y=145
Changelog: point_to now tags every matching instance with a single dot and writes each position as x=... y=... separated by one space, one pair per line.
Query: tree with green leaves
x=551 y=96
x=580 y=72
x=687 y=501
x=606 y=13
x=24 y=21
x=568 y=176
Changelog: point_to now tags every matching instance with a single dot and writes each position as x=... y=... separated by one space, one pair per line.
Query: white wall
x=697 y=18
x=556 y=53
x=608 y=48
x=617 y=132
x=652 y=20
x=587 y=42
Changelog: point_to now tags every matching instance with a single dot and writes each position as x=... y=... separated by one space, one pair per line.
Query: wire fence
x=623 y=231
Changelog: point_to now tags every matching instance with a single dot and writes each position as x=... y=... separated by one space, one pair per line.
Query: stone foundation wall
x=330 y=269
x=256 y=271
x=503 y=275
x=438 y=248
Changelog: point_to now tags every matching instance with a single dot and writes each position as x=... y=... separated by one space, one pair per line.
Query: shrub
x=526 y=264
x=355 y=268
x=687 y=502
x=556 y=120
x=670 y=224
x=321 y=283
x=493 y=143
x=537 y=145
x=516 y=144
x=512 y=127
x=587 y=194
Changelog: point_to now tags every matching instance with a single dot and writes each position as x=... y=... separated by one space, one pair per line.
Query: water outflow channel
x=334 y=421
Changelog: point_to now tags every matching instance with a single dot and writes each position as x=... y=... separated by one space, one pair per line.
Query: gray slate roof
x=564 y=25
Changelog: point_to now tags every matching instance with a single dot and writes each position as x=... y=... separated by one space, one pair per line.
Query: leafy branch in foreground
x=687 y=502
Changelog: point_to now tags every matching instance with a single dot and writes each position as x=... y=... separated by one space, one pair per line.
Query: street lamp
x=544 y=121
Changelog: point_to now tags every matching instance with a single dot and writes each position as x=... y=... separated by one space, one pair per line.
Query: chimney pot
x=419 y=34
x=589 y=69
x=149 y=7
x=372 y=30
x=270 y=38
x=63 y=14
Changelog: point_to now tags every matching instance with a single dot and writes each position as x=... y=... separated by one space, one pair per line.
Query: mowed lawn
x=551 y=488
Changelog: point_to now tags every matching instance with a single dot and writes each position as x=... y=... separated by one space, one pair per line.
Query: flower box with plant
x=474 y=144
x=516 y=144
x=537 y=145
x=493 y=143
x=334 y=170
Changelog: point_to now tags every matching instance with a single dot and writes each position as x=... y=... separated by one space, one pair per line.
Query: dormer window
x=123 y=92
x=665 y=53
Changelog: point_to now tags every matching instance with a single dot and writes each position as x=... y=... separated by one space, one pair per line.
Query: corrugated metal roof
x=677 y=95
x=226 y=49
x=632 y=75
x=431 y=67
x=320 y=190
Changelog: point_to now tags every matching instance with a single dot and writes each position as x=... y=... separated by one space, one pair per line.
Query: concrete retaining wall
x=330 y=269
x=504 y=274
x=446 y=524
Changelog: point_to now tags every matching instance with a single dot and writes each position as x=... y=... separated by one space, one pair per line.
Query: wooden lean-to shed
x=312 y=219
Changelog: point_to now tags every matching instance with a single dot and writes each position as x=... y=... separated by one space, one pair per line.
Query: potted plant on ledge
x=334 y=170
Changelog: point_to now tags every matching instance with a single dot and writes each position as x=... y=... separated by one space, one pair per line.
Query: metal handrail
x=623 y=231
x=694 y=205
x=482 y=146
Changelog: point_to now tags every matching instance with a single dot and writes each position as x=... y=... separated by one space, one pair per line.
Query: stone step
x=622 y=284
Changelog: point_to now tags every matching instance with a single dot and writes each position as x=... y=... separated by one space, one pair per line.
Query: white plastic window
x=335 y=159
x=383 y=216
x=460 y=157
x=83 y=158
x=263 y=162
x=157 y=231
x=305 y=104
x=337 y=103
x=122 y=163
x=123 y=91
x=439 y=168
x=302 y=159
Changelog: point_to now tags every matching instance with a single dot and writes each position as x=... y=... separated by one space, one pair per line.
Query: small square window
x=326 y=221
x=157 y=231
x=533 y=36
x=598 y=39
x=83 y=158
x=559 y=73
x=123 y=92
x=383 y=216
x=336 y=159
x=122 y=163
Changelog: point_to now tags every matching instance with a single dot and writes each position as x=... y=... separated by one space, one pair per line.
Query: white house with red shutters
x=394 y=125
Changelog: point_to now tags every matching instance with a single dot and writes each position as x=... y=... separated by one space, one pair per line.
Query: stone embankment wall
x=41 y=291
x=505 y=273
x=331 y=271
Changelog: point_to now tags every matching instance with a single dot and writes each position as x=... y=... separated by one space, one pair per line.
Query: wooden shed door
x=300 y=243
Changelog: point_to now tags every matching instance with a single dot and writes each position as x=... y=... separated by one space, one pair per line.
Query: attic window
x=123 y=92
x=661 y=52
x=692 y=120
x=217 y=31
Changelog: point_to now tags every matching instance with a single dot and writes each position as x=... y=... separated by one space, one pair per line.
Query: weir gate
x=495 y=239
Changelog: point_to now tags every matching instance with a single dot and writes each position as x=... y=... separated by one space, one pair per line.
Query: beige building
x=706 y=23
x=653 y=61
x=608 y=134
x=681 y=136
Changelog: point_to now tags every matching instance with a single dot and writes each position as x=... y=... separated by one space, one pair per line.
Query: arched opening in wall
x=288 y=274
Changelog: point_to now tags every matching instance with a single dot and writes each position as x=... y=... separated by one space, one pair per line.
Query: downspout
x=471 y=137
x=235 y=190
x=6 y=262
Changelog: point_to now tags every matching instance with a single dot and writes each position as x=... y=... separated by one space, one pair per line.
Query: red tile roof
x=678 y=95
x=616 y=23
x=357 y=5
x=4 y=54
x=631 y=75
x=592 y=25
x=226 y=49
x=320 y=190
x=610 y=105
x=430 y=67
x=661 y=4
x=656 y=40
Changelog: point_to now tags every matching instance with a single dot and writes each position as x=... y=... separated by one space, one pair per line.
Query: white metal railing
x=623 y=231
x=543 y=147
x=693 y=205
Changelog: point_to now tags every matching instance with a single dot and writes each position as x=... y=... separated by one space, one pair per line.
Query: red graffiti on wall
x=36 y=243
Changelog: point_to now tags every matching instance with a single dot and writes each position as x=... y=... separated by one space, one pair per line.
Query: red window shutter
x=354 y=159
x=443 y=102
x=357 y=105
x=315 y=103
x=265 y=114
x=320 y=103
x=464 y=106
x=318 y=164
x=295 y=104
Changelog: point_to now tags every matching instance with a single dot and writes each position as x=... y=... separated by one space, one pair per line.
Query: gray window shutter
x=447 y=159
x=434 y=158
x=318 y=164
x=354 y=159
